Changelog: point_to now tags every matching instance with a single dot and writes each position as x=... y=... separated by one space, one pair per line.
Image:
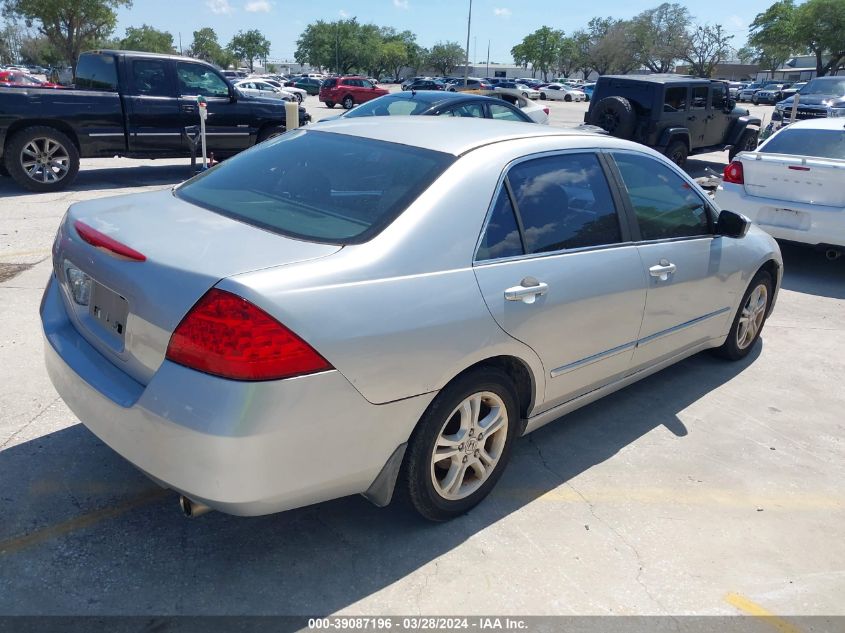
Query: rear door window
x=564 y=202
x=472 y=110
x=504 y=113
x=501 y=237
x=699 y=98
x=289 y=185
x=676 y=99
x=149 y=77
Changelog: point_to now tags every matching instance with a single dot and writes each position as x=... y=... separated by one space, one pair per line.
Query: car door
x=692 y=274
x=558 y=271
x=230 y=124
x=698 y=115
x=366 y=91
x=154 y=120
x=718 y=117
x=675 y=107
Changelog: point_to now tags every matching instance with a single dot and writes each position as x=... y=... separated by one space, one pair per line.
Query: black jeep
x=675 y=115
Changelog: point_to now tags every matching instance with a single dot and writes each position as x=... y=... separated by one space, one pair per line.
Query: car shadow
x=807 y=270
x=93 y=178
x=701 y=168
x=82 y=532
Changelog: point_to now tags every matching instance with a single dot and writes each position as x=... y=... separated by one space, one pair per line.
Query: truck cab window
x=196 y=79
x=150 y=78
x=96 y=72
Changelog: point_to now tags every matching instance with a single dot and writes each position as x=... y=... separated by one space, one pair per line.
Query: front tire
x=348 y=103
x=567 y=98
x=747 y=143
x=542 y=96
x=298 y=97
x=750 y=318
x=677 y=152
x=42 y=159
x=461 y=445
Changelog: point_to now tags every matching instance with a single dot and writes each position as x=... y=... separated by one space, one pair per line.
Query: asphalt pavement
x=708 y=488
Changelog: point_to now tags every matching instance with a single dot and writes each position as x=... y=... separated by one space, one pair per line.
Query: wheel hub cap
x=469 y=446
x=752 y=316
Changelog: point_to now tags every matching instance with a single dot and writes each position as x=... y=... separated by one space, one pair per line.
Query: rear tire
x=747 y=143
x=42 y=159
x=677 y=152
x=329 y=104
x=480 y=404
x=750 y=318
x=616 y=116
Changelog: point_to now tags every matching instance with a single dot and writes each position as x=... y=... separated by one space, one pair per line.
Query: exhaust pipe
x=192 y=509
x=832 y=254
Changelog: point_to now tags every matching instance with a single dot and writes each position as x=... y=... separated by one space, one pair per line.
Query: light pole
x=469 y=24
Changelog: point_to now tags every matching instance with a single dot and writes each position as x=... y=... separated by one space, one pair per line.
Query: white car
x=793 y=186
x=299 y=93
x=561 y=92
x=538 y=113
x=517 y=89
x=261 y=88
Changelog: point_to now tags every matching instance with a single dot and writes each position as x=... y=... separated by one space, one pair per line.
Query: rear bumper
x=819 y=224
x=243 y=448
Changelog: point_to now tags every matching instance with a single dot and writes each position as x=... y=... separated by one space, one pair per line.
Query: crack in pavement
x=591 y=507
x=25 y=426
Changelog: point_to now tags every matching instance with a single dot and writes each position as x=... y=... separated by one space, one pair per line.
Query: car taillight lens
x=226 y=335
x=546 y=110
x=733 y=173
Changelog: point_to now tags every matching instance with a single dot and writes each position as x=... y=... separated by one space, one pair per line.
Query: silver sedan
x=382 y=306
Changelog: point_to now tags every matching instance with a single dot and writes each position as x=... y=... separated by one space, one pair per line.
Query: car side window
x=501 y=237
x=699 y=98
x=150 y=78
x=564 y=201
x=665 y=204
x=365 y=83
x=475 y=110
x=196 y=79
x=503 y=113
x=676 y=99
x=719 y=96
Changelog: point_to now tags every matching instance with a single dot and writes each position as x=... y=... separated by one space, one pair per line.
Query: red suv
x=348 y=91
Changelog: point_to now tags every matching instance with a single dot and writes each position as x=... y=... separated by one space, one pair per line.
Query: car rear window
x=386 y=106
x=798 y=142
x=318 y=186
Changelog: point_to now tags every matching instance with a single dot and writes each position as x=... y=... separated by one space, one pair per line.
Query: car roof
x=148 y=54
x=833 y=123
x=660 y=79
x=455 y=136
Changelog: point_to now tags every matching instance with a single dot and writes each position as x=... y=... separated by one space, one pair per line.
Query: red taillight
x=546 y=110
x=733 y=173
x=106 y=243
x=797 y=168
x=228 y=336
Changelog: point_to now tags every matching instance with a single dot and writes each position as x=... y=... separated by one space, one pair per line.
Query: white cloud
x=401 y=4
x=258 y=6
x=342 y=13
x=502 y=12
x=220 y=6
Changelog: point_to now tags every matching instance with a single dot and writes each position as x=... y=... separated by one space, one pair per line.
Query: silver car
x=385 y=304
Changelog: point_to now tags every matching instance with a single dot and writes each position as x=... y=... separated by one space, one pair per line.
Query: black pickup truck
x=125 y=103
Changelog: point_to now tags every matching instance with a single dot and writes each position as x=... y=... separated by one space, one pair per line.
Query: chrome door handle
x=528 y=290
x=662 y=270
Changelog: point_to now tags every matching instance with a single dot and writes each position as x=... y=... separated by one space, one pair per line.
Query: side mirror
x=233 y=94
x=732 y=224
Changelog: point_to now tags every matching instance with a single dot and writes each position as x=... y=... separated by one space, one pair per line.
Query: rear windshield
x=386 y=106
x=318 y=186
x=798 y=142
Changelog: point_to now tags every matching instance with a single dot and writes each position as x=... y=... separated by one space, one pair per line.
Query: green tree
x=820 y=27
x=69 y=25
x=772 y=36
x=206 y=46
x=446 y=56
x=38 y=50
x=708 y=47
x=660 y=36
x=539 y=49
x=250 y=45
x=148 y=39
x=611 y=47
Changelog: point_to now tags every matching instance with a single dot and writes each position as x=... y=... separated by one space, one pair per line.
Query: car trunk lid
x=135 y=305
x=794 y=178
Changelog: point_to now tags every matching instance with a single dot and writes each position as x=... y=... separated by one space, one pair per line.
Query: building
x=729 y=71
x=799 y=68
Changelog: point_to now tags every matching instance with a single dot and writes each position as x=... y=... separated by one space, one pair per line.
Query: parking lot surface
x=708 y=488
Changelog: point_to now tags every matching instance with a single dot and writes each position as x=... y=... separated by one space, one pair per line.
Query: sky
x=501 y=22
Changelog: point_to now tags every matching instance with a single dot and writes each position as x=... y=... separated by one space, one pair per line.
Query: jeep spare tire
x=616 y=116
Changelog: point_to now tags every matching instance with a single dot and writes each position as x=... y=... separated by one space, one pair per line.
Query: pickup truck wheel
x=615 y=115
x=747 y=143
x=42 y=159
x=348 y=102
x=271 y=132
x=677 y=152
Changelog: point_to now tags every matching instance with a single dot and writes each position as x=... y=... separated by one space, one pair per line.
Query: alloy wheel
x=751 y=319
x=469 y=445
x=45 y=160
